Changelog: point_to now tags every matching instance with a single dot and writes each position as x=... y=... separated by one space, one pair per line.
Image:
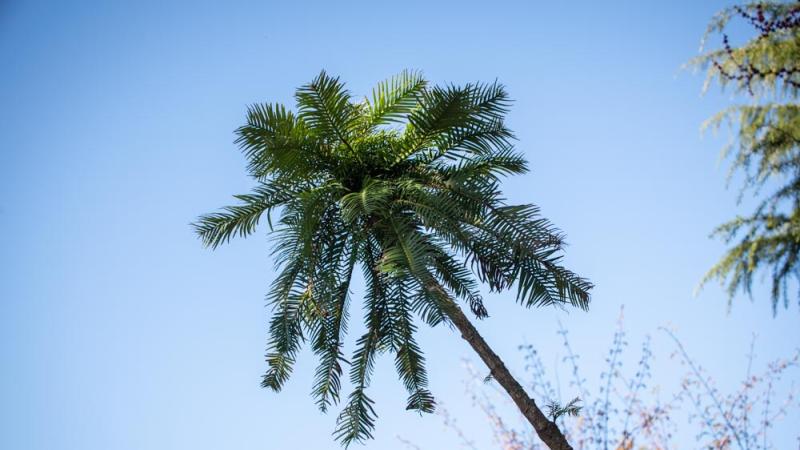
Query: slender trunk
x=546 y=429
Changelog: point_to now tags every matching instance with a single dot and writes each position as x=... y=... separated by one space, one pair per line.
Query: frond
x=478 y=138
x=373 y=197
x=285 y=330
x=275 y=141
x=543 y=281
x=324 y=104
x=409 y=253
x=393 y=99
x=332 y=289
x=468 y=114
x=504 y=244
x=303 y=222
x=535 y=248
x=522 y=227
x=409 y=362
x=456 y=277
x=241 y=220
x=357 y=420
x=406 y=250
x=487 y=167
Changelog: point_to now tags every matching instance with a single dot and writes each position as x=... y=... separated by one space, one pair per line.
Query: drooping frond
x=357 y=420
x=409 y=253
x=535 y=250
x=409 y=361
x=458 y=279
x=507 y=244
x=285 y=329
x=333 y=274
x=303 y=223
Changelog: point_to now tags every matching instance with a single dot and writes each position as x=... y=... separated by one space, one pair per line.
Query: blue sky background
x=119 y=331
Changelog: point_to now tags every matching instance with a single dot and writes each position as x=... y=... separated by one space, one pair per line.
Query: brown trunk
x=546 y=429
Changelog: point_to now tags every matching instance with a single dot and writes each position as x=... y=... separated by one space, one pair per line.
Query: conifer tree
x=765 y=72
x=405 y=187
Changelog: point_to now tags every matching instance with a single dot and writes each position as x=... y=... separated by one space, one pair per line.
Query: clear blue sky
x=118 y=331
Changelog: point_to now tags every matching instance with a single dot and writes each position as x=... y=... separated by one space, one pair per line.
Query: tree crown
x=404 y=185
x=766 y=148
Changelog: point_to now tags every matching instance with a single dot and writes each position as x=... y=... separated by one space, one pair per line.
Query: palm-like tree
x=404 y=186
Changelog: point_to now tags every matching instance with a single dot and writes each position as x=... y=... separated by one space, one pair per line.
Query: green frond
x=277 y=142
x=524 y=224
x=324 y=104
x=373 y=197
x=452 y=116
x=456 y=277
x=409 y=362
x=456 y=144
x=285 y=330
x=334 y=275
x=303 y=224
x=393 y=99
x=544 y=282
x=535 y=246
x=409 y=253
x=488 y=167
x=241 y=220
x=357 y=420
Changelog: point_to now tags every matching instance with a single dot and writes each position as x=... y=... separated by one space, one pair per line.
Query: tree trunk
x=546 y=429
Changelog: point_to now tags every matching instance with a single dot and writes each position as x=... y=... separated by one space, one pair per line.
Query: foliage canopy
x=766 y=150
x=405 y=186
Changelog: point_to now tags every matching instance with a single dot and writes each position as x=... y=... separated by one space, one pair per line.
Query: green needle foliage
x=555 y=410
x=766 y=149
x=404 y=186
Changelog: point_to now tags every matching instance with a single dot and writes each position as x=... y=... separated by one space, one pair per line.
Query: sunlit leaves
x=393 y=99
x=276 y=142
x=324 y=104
x=766 y=147
x=242 y=219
